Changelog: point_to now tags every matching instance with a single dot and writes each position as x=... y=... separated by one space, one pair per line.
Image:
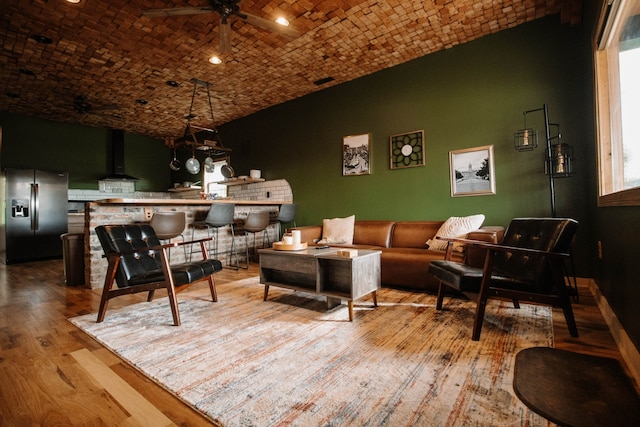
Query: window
x=617 y=59
x=211 y=180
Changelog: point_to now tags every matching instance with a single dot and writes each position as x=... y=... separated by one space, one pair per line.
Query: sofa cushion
x=338 y=230
x=373 y=233
x=407 y=268
x=413 y=234
x=455 y=227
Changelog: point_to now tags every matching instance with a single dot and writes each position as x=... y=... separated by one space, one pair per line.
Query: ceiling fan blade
x=176 y=11
x=224 y=36
x=266 y=24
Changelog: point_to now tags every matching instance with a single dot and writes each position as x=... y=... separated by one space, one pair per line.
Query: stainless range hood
x=117 y=156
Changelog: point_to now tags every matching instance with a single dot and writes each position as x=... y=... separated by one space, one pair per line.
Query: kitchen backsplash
x=278 y=189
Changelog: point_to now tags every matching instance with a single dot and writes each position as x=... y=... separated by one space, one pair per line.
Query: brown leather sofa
x=405 y=256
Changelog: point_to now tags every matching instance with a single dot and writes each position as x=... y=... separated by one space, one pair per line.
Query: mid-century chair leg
x=210 y=279
x=565 y=300
x=440 y=296
x=108 y=284
x=483 y=295
x=171 y=290
x=477 y=323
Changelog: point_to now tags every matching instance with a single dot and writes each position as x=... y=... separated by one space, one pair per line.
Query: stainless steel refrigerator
x=34 y=214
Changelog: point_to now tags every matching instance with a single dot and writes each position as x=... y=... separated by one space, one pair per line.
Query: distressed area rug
x=288 y=361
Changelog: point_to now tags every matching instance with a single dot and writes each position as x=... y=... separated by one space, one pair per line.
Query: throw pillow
x=455 y=227
x=338 y=231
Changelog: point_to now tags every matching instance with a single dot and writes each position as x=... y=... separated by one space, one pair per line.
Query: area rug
x=290 y=362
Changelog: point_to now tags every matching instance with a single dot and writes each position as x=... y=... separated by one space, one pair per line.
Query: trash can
x=73 y=256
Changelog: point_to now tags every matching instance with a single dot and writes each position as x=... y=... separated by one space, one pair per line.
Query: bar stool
x=169 y=225
x=286 y=215
x=220 y=215
x=256 y=222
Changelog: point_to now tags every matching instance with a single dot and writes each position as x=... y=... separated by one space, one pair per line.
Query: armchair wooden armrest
x=497 y=247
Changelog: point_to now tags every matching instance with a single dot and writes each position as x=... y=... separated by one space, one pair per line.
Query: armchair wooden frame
x=555 y=261
x=167 y=282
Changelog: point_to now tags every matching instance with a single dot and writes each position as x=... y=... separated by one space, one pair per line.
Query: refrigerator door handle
x=35 y=206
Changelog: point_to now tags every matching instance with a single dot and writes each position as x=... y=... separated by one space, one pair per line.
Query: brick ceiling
x=109 y=52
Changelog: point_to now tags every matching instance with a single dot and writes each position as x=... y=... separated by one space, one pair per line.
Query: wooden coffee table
x=322 y=272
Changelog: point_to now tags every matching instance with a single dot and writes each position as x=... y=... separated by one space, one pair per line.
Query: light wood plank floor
x=44 y=358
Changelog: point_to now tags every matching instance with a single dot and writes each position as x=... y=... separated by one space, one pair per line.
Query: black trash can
x=73 y=255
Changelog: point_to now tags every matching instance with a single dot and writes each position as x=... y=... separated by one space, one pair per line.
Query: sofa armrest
x=474 y=255
x=309 y=233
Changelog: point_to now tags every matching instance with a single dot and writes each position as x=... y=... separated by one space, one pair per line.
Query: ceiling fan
x=82 y=105
x=226 y=9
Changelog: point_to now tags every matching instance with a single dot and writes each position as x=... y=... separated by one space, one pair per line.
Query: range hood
x=117 y=156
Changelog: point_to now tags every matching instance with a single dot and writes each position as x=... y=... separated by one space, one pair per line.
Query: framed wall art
x=356 y=154
x=406 y=150
x=472 y=172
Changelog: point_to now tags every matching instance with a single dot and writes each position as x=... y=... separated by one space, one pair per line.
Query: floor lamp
x=558 y=157
x=558 y=164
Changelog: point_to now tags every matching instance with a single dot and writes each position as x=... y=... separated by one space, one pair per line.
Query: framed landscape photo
x=356 y=154
x=406 y=150
x=472 y=172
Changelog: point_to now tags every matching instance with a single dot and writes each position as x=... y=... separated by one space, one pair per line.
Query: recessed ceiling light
x=172 y=83
x=73 y=1
x=215 y=60
x=42 y=39
x=282 y=21
x=26 y=71
x=142 y=101
x=323 y=81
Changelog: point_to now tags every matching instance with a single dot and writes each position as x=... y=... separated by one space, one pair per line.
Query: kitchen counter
x=198 y=202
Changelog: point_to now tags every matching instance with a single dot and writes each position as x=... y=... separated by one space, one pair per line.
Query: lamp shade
x=525 y=139
x=561 y=163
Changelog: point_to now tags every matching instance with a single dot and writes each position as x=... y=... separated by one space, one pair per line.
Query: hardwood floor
x=43 y=359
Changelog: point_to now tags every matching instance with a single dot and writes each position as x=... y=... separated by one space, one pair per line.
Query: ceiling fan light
x=282 y=21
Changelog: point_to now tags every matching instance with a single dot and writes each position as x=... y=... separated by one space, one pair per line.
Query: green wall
x=83 y=151
x=468 y=96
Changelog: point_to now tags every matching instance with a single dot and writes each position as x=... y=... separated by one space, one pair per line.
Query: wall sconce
x=559 y=156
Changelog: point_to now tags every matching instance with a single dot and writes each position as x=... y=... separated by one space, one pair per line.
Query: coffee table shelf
x=322 y=272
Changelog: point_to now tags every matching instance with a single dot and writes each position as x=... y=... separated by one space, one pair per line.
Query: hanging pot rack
x=202 y=138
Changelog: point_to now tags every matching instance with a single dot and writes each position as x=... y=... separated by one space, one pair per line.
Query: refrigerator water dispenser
x=19 y=208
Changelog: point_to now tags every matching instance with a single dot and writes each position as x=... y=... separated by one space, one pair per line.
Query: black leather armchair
x=139 y=263
x=527 y=266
